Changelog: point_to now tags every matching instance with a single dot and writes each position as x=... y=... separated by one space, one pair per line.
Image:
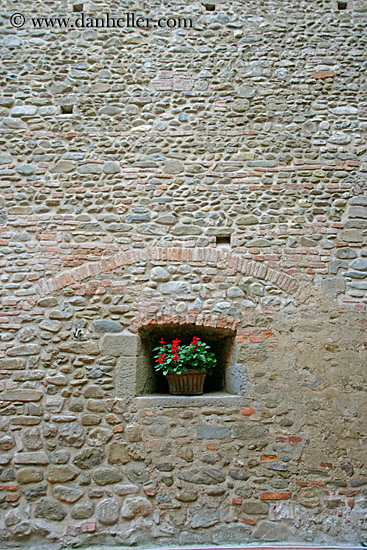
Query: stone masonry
x=169 y=182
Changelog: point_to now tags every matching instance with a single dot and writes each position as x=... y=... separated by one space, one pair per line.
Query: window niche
x=221 y=342
x=223 y=241
x=66 y=109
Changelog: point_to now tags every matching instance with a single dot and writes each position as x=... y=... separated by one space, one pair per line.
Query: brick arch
x=228 y=326
x=145 y=323
x=195 y=257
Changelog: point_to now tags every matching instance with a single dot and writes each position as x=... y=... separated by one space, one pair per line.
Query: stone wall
x=210 y=181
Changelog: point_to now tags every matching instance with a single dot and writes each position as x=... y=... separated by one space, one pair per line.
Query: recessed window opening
x=220 y=341
x=342 y=5
x=209 y=7
x=77 y=8
x=223 y=240
x=67 y=109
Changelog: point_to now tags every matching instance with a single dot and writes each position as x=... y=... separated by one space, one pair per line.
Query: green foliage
x=175 y=358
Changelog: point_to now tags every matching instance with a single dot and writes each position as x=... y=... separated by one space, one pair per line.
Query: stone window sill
x=217 y=399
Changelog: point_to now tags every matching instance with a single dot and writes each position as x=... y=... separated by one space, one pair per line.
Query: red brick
x=12 y=497
x=248 y=411
x=248 y=521
x=268 y=334
x=150 y=492
x=236 y=500
x=213 y=445
x=242 y=339
x=294 y=439
x=275 y=496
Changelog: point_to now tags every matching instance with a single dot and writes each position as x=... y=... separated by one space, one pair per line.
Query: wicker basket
x=190 y=382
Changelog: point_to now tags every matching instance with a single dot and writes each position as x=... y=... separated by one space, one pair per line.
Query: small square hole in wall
x=223 y=241
x=77 y=8
x=209 y=6
x=67 y=109
x=342 y=5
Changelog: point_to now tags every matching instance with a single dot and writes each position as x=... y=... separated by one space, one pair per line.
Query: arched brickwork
x=159 y=256
x=144 y=324
x=228 y=325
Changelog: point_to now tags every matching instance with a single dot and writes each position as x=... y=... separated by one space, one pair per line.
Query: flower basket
x=190 y=382
x=185 y=367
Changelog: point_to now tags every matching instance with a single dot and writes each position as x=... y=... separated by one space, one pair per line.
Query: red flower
x=175 y=346
x=162 y=342
x=175 y=357
x=161 y=358
x=195 y=342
